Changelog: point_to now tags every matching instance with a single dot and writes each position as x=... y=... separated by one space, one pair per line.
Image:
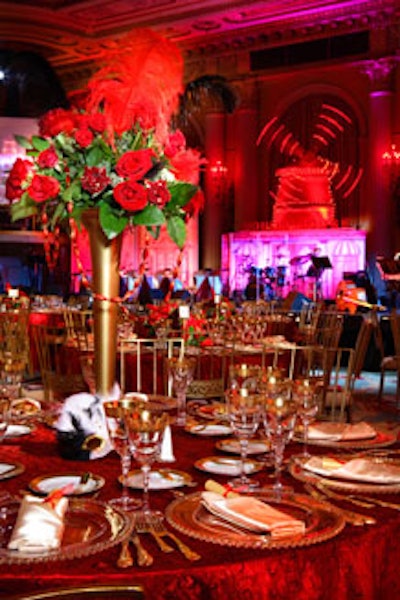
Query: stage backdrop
x=289 y=253
x=162 y=254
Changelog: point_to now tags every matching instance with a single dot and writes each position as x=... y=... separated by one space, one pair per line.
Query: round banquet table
x=359 y=563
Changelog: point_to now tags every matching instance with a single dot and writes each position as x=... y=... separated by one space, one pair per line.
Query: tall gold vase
x=105 y=273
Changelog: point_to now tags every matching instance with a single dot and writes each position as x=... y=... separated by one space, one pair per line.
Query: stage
x=284 y=258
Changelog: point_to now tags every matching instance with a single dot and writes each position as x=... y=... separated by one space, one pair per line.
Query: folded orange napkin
x=40 y=524
x=250 y=513
x=341 y=432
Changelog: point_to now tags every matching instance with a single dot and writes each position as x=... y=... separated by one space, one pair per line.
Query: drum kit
x=274 y=279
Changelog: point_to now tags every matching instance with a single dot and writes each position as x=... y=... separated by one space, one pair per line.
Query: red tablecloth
x=360 y=563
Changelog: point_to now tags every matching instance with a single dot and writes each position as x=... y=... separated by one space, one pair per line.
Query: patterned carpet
x=366 y=405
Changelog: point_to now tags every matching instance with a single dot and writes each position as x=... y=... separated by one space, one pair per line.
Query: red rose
x=158 y=193
x=175 y=142
x=43 y=188
x=131 y=196
x=95 y=179
x=17 y=176
x=97 y=122
x=48 y=158
x=57 y=121
x=135 y=164
x=84 y=137
x=186 y=166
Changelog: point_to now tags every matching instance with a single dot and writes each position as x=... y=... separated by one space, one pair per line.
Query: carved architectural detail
x=381 y=72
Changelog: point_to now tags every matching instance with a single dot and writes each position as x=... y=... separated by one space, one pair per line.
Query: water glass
x=181 y=371
x=244 y=411
x=118 y=434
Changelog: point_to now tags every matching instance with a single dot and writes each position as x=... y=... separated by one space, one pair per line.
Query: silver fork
x=161 y=531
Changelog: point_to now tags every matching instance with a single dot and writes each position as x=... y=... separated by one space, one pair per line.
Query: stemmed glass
x=244 y=411
x=145 y=429
x=181 y=370
x=118 y=434
x=244 y=376
x=279 y=422
x=4 y=416
x=306 y=399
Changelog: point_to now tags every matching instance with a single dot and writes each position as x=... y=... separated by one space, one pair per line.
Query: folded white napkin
x=5 y=467
x=341 y=432
x=253 y=514
x=358 y=469
x=167 y=451
x=39 y=525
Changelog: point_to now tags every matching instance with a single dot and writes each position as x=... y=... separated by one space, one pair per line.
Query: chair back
x=142 y=360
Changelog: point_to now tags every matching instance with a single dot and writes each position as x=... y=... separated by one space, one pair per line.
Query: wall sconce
x=391 y=162
x=218 y=170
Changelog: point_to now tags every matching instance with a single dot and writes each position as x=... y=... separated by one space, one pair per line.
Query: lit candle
x=184 y=312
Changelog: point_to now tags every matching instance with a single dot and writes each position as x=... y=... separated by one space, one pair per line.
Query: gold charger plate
x=190 y=517
x=90 y=527
x=214 y=411
x=158 y=402
x=232 y=446
x=297 y=471
x=221 y=465
x=13 y=470
x=47 y=483
x=381 y=440
x=160 y=479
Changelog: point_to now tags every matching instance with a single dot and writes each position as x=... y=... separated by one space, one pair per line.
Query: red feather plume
x=140 y=82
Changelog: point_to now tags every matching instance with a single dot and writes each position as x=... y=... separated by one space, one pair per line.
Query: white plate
x=209 y=429
x=48 y=483
x=254 y=447
x=17 y=430
x=161 y=479
x=220 y=465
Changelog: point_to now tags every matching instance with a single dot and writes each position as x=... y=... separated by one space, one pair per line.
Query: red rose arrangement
x=118 y=154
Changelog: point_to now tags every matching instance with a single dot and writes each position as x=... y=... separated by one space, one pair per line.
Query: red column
x=213 y=216
x=380 y=217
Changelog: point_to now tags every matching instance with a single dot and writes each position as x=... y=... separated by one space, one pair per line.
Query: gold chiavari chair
x=145 y=360
x=60 y=376
x=388 y=363
x=14 y=343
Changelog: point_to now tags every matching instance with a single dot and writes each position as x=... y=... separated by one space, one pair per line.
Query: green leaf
x=26 y=207
x=111 y=221
x=95 y=156
x=177 y=231
x=154 y=231
x=22 y=141
x=181 y=193
x=39 y=143
x=151 y=215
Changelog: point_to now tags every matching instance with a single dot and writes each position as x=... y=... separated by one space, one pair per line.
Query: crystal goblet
x=279 y=422
x=181 y=370
x=244 y=411
x=145 y=430
x=118 y=434
x=306 y=399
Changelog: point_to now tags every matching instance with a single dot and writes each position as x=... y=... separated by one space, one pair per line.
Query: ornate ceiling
x=73 y=32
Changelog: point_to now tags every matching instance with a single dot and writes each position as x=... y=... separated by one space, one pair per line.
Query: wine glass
x=181 y=370
x=146 y=427
x=4 y=416
x=118 y=433
x=244 y=413
x=279 y=422
x=306 y=399
x=244 y=376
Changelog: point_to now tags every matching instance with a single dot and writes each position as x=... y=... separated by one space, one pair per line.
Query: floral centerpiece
x=110 y=161
x=117 y=154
